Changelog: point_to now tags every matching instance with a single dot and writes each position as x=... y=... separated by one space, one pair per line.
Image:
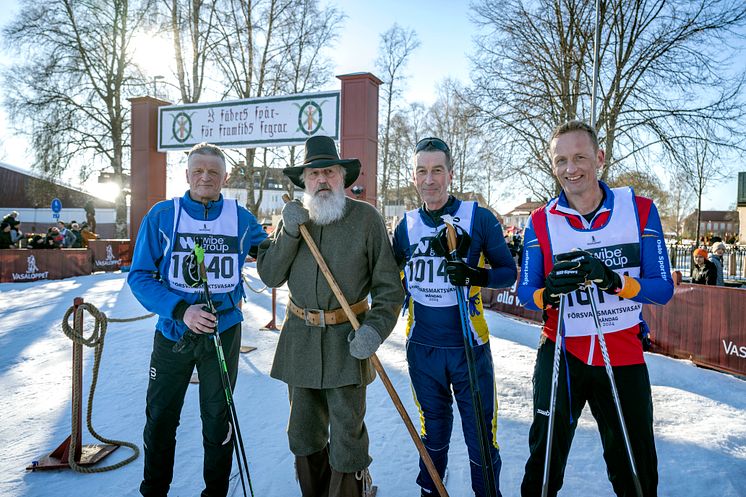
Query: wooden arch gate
x=358 y=138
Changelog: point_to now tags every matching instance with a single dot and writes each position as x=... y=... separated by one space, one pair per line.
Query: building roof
x=276 y=180
x=525 y=208
x=479 y=198
x=20 y=188
x=715 y=216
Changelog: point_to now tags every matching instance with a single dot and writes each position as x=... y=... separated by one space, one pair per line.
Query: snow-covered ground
x=700 y=415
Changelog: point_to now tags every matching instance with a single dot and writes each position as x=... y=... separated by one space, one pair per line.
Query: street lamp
x=155 y=91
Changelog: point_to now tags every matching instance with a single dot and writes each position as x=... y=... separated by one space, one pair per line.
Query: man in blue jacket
x=435 y=344
x=167 y=235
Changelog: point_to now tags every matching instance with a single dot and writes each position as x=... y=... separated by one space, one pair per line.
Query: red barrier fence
x=109 y=255
x=706 y=324
x=22 y=265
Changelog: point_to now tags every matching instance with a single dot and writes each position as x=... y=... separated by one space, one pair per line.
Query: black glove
x=548 y=301
x=644 y=336
x=596 y=271
x=186 y=343
x=566 y=277
x=439 y=243
x=190 y=270
x=461 y=274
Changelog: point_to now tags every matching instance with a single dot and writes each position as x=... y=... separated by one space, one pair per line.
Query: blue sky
x=445 y=33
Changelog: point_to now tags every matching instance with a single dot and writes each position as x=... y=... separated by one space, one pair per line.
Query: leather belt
x=322 y=318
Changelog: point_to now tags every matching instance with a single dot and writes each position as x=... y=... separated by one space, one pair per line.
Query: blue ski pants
x=435 y=373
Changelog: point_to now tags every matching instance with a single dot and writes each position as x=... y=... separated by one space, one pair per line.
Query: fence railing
x=734 y=260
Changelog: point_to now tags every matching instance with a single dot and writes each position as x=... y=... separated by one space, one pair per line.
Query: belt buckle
x=311 y=312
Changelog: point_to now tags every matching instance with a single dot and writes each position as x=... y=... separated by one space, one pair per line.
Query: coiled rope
x=95 y=340
x=246 y=280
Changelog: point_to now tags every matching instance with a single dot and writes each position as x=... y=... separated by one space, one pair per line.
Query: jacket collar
x=199 y=210
x=562 y=207
x=452 y=205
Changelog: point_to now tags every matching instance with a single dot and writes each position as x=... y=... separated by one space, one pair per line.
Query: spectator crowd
x=63 y=235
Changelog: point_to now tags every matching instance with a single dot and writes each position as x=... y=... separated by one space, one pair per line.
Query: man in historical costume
x=324 y=362
x=227 y=232
x=607 y=244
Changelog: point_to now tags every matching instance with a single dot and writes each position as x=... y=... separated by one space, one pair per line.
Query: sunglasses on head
x=434 y=142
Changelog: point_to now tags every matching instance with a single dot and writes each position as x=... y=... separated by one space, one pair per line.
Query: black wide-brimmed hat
x=322 y=152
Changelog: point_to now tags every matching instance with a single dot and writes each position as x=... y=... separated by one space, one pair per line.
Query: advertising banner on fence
x=109 y=255
x=24 y=265
x=250 y=123
x=506 y=300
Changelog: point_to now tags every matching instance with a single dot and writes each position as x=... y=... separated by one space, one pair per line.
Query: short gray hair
x=205 y=148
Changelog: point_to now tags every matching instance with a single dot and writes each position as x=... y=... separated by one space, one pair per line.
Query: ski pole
x=488 y=473
x=352 y=317
x=224 y=378
x=553 y=395
x=614 y=392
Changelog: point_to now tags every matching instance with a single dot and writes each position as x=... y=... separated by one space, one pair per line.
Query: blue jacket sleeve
x=532 y=269
x=656 y=286
x=153 y=294
x=252 y=233
x=502 y=272
x=400 y=243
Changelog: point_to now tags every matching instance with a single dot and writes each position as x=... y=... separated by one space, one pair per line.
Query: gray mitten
x=364 y=342
x=293 y=215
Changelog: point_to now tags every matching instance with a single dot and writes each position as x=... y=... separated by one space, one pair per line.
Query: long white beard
x=325 y=209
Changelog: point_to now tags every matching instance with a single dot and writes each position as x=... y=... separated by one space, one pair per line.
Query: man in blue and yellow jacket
x=168 y=233
x=435 y=344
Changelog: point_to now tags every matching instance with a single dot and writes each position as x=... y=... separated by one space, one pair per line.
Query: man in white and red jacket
x=611 y=239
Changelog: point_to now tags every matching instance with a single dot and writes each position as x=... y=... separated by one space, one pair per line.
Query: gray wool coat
x=358 y=252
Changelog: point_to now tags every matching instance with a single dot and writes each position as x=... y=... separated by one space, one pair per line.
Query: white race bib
x=425 y=272
x=219 y=239
x=618 y=245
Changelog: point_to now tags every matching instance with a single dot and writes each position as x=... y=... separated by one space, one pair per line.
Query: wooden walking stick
x=374 y=360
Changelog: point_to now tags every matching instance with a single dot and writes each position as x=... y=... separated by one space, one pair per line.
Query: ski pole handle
x=451 y=237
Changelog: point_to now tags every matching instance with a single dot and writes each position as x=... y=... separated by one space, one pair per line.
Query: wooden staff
x=374 y=360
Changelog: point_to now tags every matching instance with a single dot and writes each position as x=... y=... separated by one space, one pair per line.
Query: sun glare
x=153 y=53
x=106 y=191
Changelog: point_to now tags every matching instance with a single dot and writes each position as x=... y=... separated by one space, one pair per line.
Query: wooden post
x=359 y=125
x=85 y=455
x=272 y=325
x=148 y=166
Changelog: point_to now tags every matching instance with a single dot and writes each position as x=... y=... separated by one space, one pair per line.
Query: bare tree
x=303 y=67
x=68 y=92
x=665 y=65
x=455 y=120
x=266 y=47
x=676 y=205
x=395 y=47
x=192 y=25
x=699 y=164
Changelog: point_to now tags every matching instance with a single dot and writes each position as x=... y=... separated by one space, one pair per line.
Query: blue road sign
x=56 y=205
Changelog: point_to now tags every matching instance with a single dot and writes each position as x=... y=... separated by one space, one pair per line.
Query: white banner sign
x=250 y=123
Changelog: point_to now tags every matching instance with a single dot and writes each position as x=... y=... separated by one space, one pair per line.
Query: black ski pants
x=170 y=373
x=591 y=384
